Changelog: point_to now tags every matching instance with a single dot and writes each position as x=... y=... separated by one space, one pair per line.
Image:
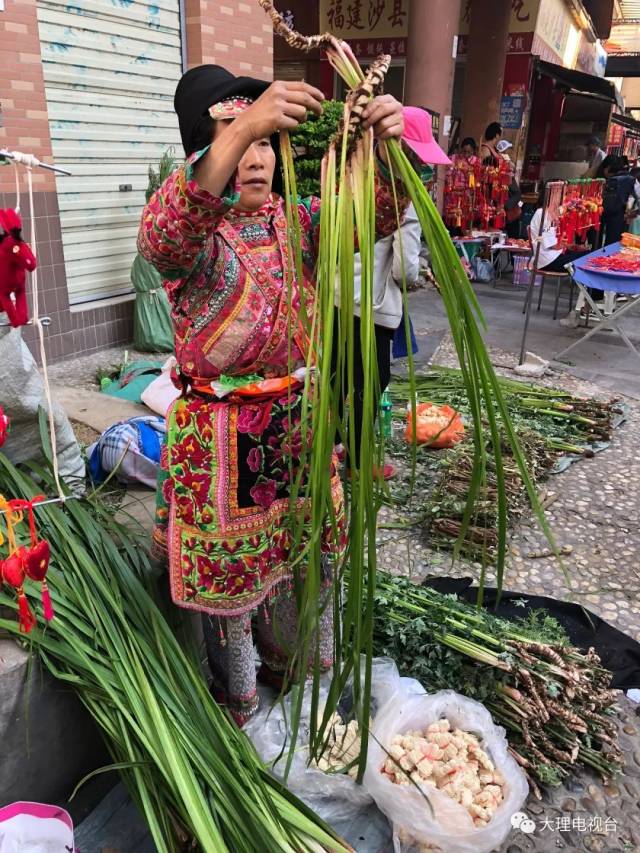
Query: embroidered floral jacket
x=226 y=273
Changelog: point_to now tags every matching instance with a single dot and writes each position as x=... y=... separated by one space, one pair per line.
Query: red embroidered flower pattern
x=185 y=510
x=255 y=459
x=204 y=425
x=254 y=419
x=181 y=416
x=264 y=494
x=195 y=484
x=190 y=452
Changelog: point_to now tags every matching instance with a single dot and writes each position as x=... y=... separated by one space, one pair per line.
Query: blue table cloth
x=618 y=282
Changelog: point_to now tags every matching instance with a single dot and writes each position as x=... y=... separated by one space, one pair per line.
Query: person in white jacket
x=392 y=255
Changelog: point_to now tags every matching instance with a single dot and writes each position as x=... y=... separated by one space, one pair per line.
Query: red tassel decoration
x=27 y=619
x=36 y=558
x=47 y=606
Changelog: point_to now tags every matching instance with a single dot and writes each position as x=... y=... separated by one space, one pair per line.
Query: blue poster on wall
x=511 y=111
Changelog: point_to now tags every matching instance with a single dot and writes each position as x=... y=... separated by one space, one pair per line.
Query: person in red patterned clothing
x=217 y=232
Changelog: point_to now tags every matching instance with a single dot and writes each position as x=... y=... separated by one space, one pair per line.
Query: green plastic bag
x=134 y=378
x=152 y=327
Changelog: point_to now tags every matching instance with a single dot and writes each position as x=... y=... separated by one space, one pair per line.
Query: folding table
x=610 y=283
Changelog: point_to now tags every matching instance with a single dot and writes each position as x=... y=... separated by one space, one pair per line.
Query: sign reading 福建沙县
x=375 y=21
x=512 y=111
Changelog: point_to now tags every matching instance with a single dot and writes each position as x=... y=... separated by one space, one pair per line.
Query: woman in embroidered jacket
x=217 y=233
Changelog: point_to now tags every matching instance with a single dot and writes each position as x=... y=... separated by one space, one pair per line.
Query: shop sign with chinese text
x=522 y=25
x=371 y=27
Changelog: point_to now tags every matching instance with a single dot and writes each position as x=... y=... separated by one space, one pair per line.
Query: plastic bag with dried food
x=333 y=795
x=441 y=824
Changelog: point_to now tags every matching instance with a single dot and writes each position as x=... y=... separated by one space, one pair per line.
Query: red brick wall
x=232 y=33
x=24 y=108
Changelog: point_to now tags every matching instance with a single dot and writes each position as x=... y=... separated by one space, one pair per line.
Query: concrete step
x=97 y=410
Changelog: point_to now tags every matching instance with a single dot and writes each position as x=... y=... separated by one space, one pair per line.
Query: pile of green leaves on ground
x=568 y=424
x=553 y=700
x=434 y=497
x=195 y=777
x=549 y=423
x=310 y=142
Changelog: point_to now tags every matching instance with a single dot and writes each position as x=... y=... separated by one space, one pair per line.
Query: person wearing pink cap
x=393 y=254
x=418 y=135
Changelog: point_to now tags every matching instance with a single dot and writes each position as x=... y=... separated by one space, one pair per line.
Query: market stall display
x=475 y=195
x=580 y=210
x=350 y=163
x=573 y=208
x=625 y=262
x=552 y=698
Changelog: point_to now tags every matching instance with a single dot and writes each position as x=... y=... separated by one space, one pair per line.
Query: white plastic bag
x=35 y=828
x=21 y=395
x=448 y=827
x=335 y=797
x=161 y=393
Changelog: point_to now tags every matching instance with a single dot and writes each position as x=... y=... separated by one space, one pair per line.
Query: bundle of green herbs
x=553 y=700
x=310 y=141
x=568 y=424
x=549 y=423
x=433 y=497
x=195 y=777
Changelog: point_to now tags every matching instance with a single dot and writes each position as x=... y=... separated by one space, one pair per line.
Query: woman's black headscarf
x=200 y=88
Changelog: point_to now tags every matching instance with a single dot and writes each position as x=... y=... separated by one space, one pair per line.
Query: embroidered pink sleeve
x=178 y=223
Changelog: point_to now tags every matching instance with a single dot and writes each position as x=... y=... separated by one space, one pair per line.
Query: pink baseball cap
x=419 y=137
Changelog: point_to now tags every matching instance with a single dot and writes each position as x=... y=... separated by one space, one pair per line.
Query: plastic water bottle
x=386 y=414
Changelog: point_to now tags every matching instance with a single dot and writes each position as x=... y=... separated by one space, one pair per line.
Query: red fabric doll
x=16 y=258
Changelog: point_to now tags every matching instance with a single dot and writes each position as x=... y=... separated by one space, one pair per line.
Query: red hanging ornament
x=13 y=573
x=37 y=556
x=16 y=259
x=4 y=426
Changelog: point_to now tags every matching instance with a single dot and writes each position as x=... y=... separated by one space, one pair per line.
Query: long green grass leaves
x=193 y=774
x=348 y=209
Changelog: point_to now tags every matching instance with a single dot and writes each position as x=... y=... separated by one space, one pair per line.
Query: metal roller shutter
x=110 y=71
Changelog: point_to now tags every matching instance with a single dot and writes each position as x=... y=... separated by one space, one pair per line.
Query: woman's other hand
x=283 y=106
x=384 y=115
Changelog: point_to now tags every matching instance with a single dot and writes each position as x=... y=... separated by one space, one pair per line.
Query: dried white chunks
x=451 y=760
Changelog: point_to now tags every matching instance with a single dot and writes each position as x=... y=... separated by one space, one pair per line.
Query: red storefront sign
x=516 y=43
x=616 y=135
x=370 y=48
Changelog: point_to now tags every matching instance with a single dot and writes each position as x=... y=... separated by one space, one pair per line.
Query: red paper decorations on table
x=25 y=562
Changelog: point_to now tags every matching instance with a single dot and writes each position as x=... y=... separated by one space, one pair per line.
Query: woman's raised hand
x=384 y=115
x=283 y=106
